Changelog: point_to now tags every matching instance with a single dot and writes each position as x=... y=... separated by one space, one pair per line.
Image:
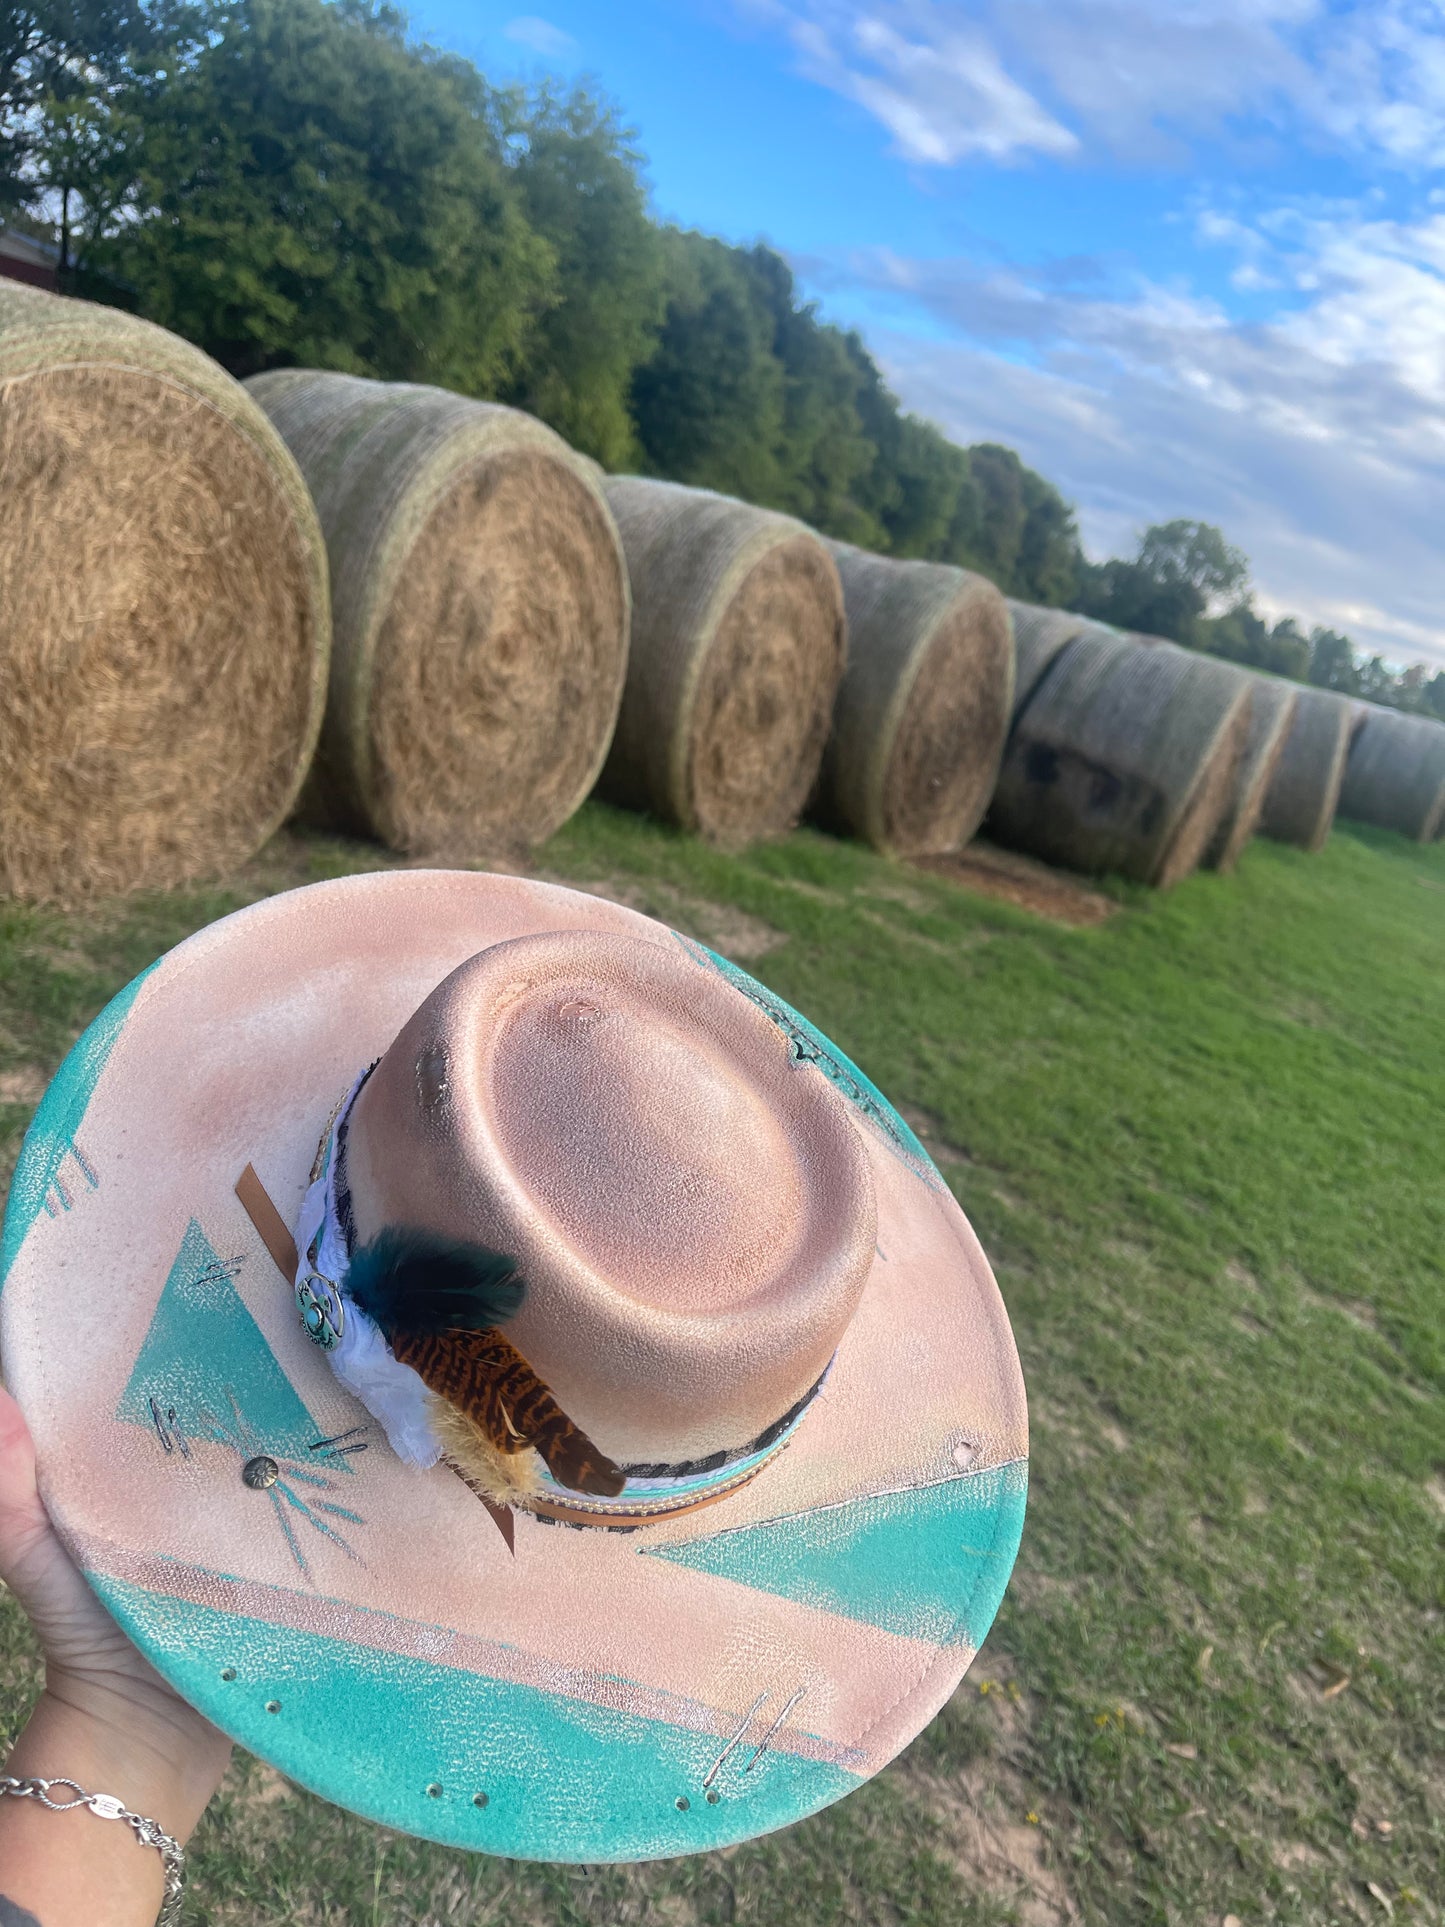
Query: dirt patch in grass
x=722 y=926
x=1021 y=881
x=931 y=1136
x=992 y=1845
x=1354 y=1310
x=971 y=1777
x=24 y=1084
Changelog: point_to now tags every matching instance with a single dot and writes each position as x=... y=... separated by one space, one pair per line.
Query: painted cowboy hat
x=510 y=1371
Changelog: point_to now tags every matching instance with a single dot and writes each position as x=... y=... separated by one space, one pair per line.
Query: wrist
x=163 y=1760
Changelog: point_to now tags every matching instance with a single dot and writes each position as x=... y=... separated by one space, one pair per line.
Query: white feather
x=395 y=1395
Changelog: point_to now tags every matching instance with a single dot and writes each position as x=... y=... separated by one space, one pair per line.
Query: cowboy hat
x=510 y=1371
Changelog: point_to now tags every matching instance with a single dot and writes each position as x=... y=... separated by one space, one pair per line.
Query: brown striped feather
x=489 y=1380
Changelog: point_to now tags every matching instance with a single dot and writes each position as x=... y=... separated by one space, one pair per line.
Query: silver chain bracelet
x=105 y=1806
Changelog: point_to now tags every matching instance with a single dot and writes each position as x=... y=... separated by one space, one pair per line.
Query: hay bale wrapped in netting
x=1040 y=637
x=1272 y=707
x=1395 y=774
x=738 y=642
x=1299 y=805
x=923 y=708
x=481 y=613
x=1123 y=760
x=163 y=607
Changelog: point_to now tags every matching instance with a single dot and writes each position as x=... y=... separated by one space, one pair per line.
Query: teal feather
x=414 y=1282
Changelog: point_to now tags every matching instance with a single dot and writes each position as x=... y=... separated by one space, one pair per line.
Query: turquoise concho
x=321 y=1309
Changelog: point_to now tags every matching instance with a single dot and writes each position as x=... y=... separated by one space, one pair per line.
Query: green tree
x=1047 y=569
x=1242 y=635
x=709 y=404
x=823 y=449
x=918 y=491
x=1025 y=535
x=1332 y=662
x=1193 y=555
x=578 y=173
x=998 y=473
x=1377 y=682
x=64 y=64
x=1410 y=688
x=1289 y=650
x=1167 y=588
x=1125 y=594
x=315 y=190
x=42 y=42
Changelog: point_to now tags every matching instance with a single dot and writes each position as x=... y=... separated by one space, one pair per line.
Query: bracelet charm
x=105 y=1806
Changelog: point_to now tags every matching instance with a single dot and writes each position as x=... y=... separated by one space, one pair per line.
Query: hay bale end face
x=164 y=619
x=1395 y=774
x=923 y=707
x=738 y=643
x=1272 y=707
x=1123 y=760
x=1299 y=805
x=481 y=614
x=1040 y=637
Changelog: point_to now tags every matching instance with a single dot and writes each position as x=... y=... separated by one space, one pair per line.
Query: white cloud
x=541 y=37
x=1013 y=79
x=942 y=95
x=1317 y=441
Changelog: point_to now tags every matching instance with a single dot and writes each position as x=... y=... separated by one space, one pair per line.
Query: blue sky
x=1187 y=256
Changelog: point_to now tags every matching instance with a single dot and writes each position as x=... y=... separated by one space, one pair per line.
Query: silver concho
x=323 y=1316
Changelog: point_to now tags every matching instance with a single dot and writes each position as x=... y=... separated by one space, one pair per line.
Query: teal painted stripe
x=50 y=1139
x=565 y=1781
x=930 y=1562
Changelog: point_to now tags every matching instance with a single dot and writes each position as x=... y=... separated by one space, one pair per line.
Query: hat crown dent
x=691 y=1209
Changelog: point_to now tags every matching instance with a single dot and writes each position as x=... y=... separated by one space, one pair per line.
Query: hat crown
x=690 y=1208
x=649 y=1157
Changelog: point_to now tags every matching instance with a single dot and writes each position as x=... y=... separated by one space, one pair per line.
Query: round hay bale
x=1040 y=636
x=738 y=643
x=1272 y=707
x=1395 y=774
x=923 y=708
x=1123 y=760
x=164 y=622
x=1299 y=805
x=481 y=613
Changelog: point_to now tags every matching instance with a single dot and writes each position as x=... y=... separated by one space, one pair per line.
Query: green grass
x=1203 y=1145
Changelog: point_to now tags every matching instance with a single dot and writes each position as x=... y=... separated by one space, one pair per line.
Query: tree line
x=296 y=182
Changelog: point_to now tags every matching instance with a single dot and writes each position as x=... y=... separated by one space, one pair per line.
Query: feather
x=489 y=1381
x=506 y=1478
x=411 y=1282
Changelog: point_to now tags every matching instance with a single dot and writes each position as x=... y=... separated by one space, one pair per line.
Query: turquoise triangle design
x=205 y=1358
x=50 y=1140
x=930 y=1562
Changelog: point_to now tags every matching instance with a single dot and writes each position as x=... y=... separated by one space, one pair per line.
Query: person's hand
x=105 y=1710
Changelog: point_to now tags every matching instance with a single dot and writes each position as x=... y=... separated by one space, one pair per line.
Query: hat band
x=396 y=1394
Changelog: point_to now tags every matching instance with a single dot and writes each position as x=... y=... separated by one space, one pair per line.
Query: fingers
x=21 y=1513
x=33 y=1563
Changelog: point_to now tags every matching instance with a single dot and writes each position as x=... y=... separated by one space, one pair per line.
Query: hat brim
x=363 y=1626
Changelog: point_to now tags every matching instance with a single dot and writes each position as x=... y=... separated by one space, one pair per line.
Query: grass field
x=1203 y=1143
